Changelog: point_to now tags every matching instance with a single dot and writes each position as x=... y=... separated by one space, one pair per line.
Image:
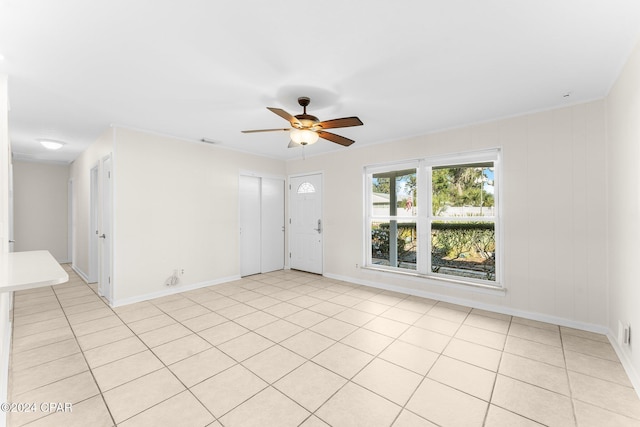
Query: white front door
x=306 y=228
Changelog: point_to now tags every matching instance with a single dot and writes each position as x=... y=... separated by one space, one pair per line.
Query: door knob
x=102 y=236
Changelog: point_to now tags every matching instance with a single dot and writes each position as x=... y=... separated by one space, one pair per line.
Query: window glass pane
x=394 y=193
x=464 y=249
x=404 y=255
x=306 y=187
x=463 y=190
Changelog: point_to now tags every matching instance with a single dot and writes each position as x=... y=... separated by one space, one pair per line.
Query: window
x=306 y=187
x=436 y=217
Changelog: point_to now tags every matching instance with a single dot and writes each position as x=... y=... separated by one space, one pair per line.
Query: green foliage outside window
x=461 y=186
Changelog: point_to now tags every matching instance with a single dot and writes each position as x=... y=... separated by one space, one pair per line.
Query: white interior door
x=10 y=208
x=106 y=236
x=306 y=229
x=93 y=226
x=250 y=235
x=272 y=226
x=71 y=222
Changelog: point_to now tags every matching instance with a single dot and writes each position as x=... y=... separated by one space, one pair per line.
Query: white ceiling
x=203 y=68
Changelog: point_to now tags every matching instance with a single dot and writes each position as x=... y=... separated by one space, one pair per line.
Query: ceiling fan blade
x=335 y=138
x=293 y=144
x=340 y=123
x=288 y=117
x=265 y=130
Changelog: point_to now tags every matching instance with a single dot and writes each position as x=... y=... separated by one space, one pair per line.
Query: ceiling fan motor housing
x=306 y=120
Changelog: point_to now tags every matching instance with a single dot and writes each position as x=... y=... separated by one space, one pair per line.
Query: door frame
x=288 y=215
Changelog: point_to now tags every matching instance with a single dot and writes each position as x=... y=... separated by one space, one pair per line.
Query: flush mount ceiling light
x=51 y=144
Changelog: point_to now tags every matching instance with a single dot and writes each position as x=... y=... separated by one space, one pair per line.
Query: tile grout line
x=164 y=367
x=566 y=373
x=496 y=380
x=189 y=388
x=425 y=376
x=85 y=361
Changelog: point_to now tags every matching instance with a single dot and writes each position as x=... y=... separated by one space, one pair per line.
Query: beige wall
x=555 y=258
x=80 y=176
x=623 y=172
x=5 y=166
x=5 y=297
x=176 y=207
x=40 y=208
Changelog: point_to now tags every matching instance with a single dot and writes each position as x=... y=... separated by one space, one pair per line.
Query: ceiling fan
x=306 y=129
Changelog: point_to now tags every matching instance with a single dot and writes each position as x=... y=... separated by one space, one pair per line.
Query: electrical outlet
x=357 y=266
x=624 y=333
x=174 y=279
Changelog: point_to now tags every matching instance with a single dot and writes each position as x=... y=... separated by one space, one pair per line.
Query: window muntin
x=456 y=237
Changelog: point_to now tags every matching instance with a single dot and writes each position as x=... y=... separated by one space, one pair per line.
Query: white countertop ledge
x=27 y=270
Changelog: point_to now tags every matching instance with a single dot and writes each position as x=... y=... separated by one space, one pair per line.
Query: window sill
x=441 y=281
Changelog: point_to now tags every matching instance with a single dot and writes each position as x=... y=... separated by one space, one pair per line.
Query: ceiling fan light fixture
x=307 y=129
x=304 y=136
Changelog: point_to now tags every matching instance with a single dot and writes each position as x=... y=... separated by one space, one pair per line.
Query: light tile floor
x=295 y=349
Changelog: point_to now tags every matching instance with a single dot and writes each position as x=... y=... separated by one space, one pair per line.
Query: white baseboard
x=626 y=362
x=173 y=290
x=479 y=305
x=80 y=273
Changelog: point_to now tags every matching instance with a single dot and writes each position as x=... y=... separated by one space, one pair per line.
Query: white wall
x=5 y=297
x=555 y=261
x=40 y=195
x=623 y=170
x=176 y=207
x=80 y=175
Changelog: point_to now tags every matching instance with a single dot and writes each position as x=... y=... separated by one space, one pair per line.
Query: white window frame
x=369 y=172
x=424 y=217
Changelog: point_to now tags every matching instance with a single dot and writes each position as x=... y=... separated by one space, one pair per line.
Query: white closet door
x=272 y=224
x=250 y=248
